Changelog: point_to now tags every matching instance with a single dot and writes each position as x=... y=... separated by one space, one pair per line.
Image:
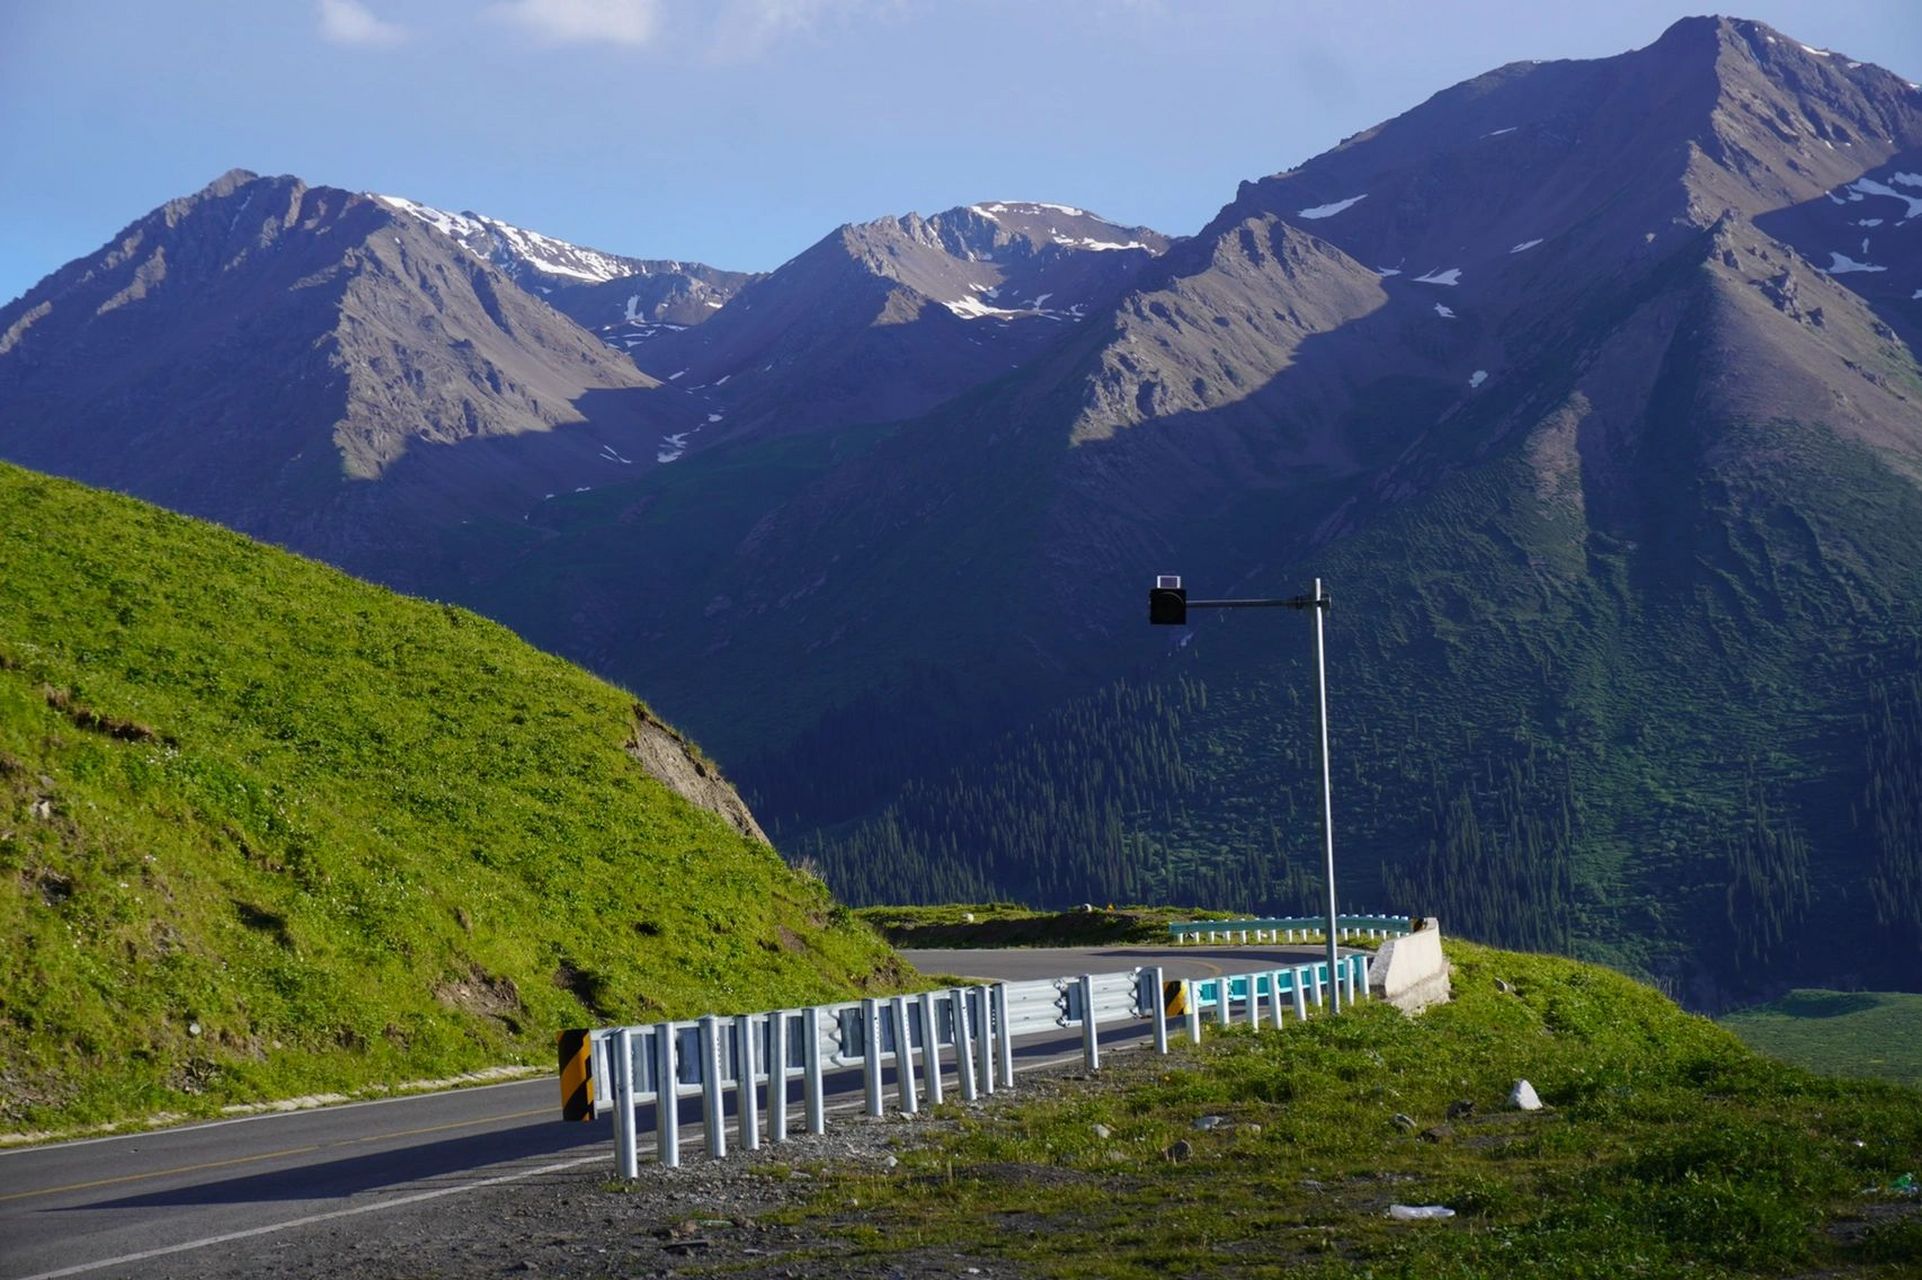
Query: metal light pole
x=1327 y=788
x=1168 y=605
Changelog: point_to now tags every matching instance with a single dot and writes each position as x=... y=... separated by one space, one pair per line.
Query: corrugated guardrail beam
x=664 y=1062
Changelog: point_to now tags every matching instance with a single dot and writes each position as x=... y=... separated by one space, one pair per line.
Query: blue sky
x=737 y=132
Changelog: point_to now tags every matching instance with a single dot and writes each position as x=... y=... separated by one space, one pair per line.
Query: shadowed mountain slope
x=311 y=366
x=1554 y=377
x=1591 y=387
x=884 y=320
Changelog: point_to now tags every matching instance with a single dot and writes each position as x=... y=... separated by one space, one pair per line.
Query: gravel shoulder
x=738 y=1216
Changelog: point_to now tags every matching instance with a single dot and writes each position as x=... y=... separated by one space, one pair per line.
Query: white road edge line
x=310 y=1219
x=164 y=1130
x=395 y=1203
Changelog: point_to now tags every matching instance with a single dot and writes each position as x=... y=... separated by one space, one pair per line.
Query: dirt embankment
x=676 y=763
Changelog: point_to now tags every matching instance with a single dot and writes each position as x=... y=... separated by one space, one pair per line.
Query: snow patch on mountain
x=1870 y=187
x=1452 y=276
x=1089 y=242
x=1842 y=264
x=1444 y=312
x=1525 y=246
x=508 y=246
x=1330 y=210
x=1478 y=377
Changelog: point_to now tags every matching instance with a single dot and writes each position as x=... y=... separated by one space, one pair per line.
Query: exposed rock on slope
x=674 y=762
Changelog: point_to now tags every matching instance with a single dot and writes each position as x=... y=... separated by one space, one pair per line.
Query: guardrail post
x=1299 y=983
x=1004 y=1042
x=984 y=1040
x=667 y=1097
x=1224 y=1010
x=713 y=1104
x=1254 y=1002
x=1191 y=1000
x=625 y=1145
x=1317 y=977
x=1274 y=998
x=1158 y=1006
x=811 y=1084
x=904 y=1057
x=747 y=1109
x=871 y=1052
x=931 y=1046
x=1361 y=974
x=777 y=1051
x=1090 y=1028
x=958 y=1000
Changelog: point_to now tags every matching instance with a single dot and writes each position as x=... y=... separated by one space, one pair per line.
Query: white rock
x=1523 y=1097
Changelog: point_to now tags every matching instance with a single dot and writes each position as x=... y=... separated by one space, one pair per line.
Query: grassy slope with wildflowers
x=267 y=830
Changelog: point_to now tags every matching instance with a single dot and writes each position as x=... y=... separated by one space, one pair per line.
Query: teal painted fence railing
x=1262 y=997
x=1290 y=929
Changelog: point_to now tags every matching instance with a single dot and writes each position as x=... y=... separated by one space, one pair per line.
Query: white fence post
x=811 y=1085
x=1158 y=1006
x=747 y=1112
x=713 y=1107
x=871 y=1045
x=1090 y=1030
x=1254 y=1002
x=904 y=1057
x=1300 y=985
x=1191 y=1001
x=931 y=1046
x=667 y=1097
x=958 y=1000
x=777 y=1051
x=626 y=1146
x=984 y=1038
x=1224 y=1010
x=1004 y=1043
x=1274 y=997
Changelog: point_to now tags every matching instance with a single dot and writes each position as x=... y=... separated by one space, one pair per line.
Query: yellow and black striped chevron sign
x=577 y=1076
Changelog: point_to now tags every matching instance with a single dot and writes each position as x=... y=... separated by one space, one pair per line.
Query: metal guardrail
x=1290 y=929
x=758 y=1056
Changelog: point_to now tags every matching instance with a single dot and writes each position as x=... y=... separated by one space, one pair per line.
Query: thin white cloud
x=623 y=22
x=352 y=23
x=741 y=30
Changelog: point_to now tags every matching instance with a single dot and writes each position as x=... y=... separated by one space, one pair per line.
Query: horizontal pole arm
x=1292 y=602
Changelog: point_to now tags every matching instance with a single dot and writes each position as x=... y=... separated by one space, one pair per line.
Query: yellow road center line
x=159 y=1173
x=270 y=1155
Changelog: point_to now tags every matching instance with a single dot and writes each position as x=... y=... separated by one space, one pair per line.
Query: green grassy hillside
x=265 y=829
x=1665 y=1149
x=1840 y=1033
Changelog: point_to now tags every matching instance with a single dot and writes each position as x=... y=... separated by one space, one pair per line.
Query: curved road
x=132 y=1204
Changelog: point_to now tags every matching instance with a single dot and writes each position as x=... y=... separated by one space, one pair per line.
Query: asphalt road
x=121 y=1206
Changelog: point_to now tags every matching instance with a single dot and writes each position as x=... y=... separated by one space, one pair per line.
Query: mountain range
x=1590 y=387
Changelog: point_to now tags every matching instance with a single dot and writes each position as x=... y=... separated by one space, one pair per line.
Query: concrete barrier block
x=1410 y=972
